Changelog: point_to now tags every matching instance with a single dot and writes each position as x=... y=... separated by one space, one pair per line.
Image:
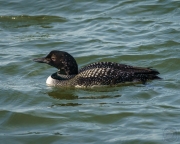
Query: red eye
x=53 y=59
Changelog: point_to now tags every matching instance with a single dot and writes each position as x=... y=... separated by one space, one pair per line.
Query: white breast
x=51 y=82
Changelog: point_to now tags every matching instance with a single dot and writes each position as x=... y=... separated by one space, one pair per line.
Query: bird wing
x=110 y=76
x=121 y=67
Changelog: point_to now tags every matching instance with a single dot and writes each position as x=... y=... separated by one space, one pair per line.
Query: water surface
x=138 y=33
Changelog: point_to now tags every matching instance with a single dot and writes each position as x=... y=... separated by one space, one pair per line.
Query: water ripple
x=138 y=33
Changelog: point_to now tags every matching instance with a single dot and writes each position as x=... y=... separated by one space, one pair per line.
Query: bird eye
x=53 y=59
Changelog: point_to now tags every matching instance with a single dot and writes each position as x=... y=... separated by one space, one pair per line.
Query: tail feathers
x=155 y=72
x=148 y=72
x=145 y=77
x=152 y=77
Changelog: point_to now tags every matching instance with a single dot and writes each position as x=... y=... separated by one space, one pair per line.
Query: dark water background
x=139 y=33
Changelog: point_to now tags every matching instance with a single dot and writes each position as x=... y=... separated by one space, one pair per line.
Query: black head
x=60 y=60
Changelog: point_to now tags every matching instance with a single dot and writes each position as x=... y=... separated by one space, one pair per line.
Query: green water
x=138 y=33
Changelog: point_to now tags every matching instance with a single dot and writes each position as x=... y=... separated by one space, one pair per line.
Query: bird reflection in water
x=74 y=94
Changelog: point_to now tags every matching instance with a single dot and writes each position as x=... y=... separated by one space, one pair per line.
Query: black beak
x=40 y=60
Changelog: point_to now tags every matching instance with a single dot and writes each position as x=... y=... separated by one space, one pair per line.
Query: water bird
x=95 y=74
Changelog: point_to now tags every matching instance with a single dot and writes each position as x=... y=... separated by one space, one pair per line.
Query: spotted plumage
x=95 y=74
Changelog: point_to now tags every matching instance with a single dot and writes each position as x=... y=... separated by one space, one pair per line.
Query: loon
x=95 y=74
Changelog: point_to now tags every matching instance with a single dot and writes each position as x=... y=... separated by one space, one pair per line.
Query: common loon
x=95 y=74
